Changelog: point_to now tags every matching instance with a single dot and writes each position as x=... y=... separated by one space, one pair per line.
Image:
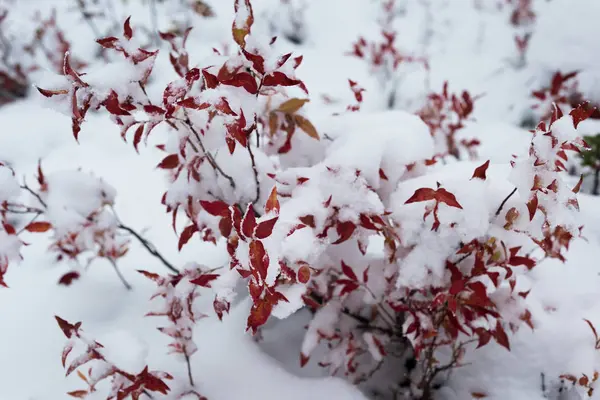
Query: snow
x=472 y=49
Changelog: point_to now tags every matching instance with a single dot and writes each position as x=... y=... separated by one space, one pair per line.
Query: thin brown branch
x=36 y=216
x=504 y=201
x=189 y=369
x=119 y=274
x=150 y=247
x=34 y=194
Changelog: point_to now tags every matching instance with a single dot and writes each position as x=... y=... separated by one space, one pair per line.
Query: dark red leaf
x=68 y=278
x=245 y=80
x=443 y=196
x=480 y=172
x=249 y=222
x=265 y=228
x=347 y=270
x=259 y=259
x=532 y=206
x=423 y=194
x=127 y=31
x=345 y=231
x=501 y=337
x=204 y=280
x=186 y=235
x=169 y=162
x=216 y=208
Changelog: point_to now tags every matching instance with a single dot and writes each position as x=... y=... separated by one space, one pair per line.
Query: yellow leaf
x=292 y=105
x=306 y=126
x=239 y=35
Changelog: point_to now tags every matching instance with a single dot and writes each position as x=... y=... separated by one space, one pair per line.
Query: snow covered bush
x=402 y=254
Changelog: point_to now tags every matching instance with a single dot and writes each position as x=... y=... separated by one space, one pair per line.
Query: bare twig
x=119 y=274
x=34 y=194
x=149 y=246
x=189 y=368
x=504 y=202
x=36 y=216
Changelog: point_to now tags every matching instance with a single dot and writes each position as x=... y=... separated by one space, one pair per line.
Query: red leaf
x=259 y=259
x=366 y=275
x=349 y=287
x=38 y=227
x=211 y=80
x=221 y=307
x=345 y=230
x=577 y=187
x=280 y=79
x=249 y=222
x=481 y=170
x=204 y=280
x=150 y=275
x=532 y=206
x=259 y=314
x=154 y=110
x=50 y=93
x=258 y=62
x=423 y=194
x=69 y=71
x=304 y=359
x=137 y=136
x=443 y=196
x=67 y=328
x=308 y=220
x=127 y=32
x=245 y=80
x=107 y=42
x=347 y=270
x=186 y=235
x=216 y=208
x=500 y=336
x=80 y=394
x=581 y=113
x=265 y=228
x=169 y=162
x=192 y=103
x=225 y=226
x=593 y=328
x=68 y=278
x=113 y=106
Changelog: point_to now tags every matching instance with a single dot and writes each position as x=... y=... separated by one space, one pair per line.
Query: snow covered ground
x=470 y=48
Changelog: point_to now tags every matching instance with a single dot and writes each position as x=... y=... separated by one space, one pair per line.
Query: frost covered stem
x=504 y=202
x=119 y=274
x=149 y=246
x=189 y=368
x=210 y=158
